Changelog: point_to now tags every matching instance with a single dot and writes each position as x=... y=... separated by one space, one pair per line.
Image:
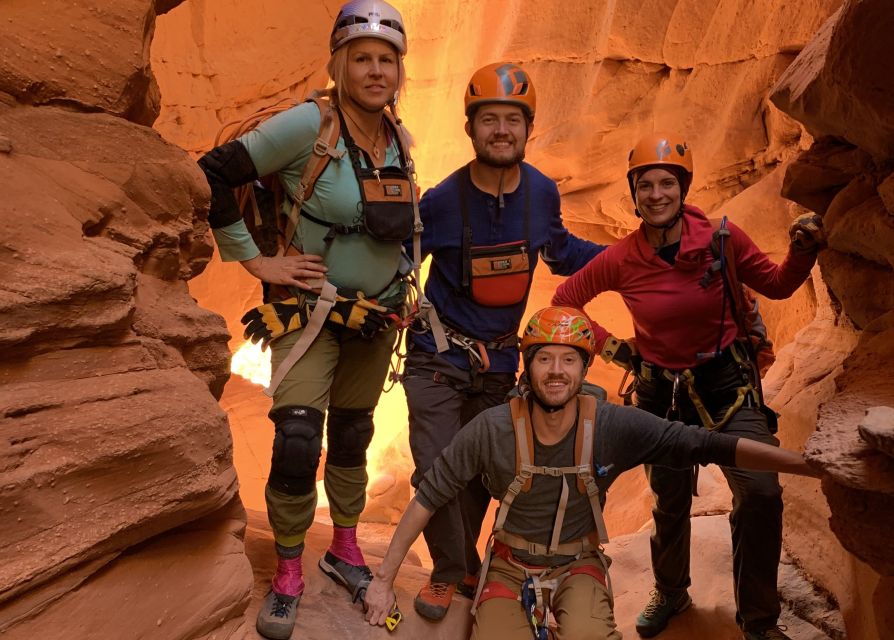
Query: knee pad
x=348 y=434
x=296 y=449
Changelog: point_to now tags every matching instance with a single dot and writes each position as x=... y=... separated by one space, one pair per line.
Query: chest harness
x=390 y=211
x=542 y=582
x=496 y=275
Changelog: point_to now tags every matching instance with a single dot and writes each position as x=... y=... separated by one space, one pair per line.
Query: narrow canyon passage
x=136 y=443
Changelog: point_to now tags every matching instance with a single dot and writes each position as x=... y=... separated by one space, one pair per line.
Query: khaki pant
x=340 y=369
x=581 y=606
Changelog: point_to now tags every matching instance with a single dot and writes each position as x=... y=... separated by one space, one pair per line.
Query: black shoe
x=347 y=575
x=276 y=619
x=468 y=586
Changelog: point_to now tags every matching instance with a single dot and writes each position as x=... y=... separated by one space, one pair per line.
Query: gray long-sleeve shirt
x=625 y=437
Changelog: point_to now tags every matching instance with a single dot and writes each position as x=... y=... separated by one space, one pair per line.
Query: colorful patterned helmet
x=502 y=83
x=368 y=19
x=663 y=151
x=560 y=325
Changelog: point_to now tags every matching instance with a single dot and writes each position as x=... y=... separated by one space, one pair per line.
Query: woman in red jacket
x=692 y=367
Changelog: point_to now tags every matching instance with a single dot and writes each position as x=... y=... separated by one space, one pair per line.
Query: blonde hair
x=337 y=67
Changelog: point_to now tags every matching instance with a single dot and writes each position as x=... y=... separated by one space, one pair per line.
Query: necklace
x=374 y=141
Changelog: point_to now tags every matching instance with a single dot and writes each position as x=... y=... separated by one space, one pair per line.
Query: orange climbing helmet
x=368 y=19
x=562 y=326
x=503 y=83
x=663 y=151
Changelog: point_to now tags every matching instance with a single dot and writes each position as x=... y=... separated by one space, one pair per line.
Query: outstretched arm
x=758 y=456
x=380 y=596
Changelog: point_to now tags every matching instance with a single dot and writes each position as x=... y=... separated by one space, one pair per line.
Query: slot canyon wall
x=117 y=486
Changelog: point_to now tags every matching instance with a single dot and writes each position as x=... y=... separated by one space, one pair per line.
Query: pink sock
x=289 y=579
x=344 y=545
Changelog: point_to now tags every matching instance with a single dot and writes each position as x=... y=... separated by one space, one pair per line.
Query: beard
x=489 y=160
x=554 y=399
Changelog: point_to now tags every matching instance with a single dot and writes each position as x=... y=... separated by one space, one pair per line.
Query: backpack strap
x=323 y=150
x=524 y=449
x=725 y=258
x=586 y=476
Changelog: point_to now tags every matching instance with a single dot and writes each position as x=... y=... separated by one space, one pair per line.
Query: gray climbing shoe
x=276 y=619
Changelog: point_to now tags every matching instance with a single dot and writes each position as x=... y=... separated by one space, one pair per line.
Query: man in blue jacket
x=485 y=226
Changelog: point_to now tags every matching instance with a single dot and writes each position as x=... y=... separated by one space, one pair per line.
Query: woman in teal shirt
x=348 y=231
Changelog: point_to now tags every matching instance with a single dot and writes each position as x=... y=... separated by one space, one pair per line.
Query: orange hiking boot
x=433 y=599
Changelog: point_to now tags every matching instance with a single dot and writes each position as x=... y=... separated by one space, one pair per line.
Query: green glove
x=359 y=314
x=269 y=321
x=807 y=233
x=620 y=352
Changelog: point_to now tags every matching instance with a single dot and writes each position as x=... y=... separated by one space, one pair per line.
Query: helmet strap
x=500 y=201
x=665 y=228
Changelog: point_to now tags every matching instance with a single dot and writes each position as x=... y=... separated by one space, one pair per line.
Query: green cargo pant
x=340 y=369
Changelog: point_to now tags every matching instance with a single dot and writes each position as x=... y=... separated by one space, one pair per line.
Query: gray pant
x=756 y=517
x=441 y=399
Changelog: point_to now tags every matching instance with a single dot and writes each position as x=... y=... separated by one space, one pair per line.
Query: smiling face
x=556 y=373
x=499 y=133
x=372 y=74
x=658 y=196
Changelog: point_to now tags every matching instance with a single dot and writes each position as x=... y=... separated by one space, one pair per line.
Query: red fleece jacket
x=674 y=318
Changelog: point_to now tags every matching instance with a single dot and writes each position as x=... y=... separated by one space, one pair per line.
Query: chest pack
x=381 y=189
x=385 y=192
x=744 y=306
x=496 y=275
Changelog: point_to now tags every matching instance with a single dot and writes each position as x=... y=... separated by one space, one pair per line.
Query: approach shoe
x=658 y=611
x=276 y=619
x=346 y=574
x=433 y=599
x=468 y=586
x=773 y=633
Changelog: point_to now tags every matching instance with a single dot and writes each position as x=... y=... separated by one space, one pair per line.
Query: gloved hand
x=269 y=321
x=807 y=233
x=359 y=314
x=620 y=352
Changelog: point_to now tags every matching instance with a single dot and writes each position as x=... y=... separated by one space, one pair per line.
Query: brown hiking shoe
x=433 y=599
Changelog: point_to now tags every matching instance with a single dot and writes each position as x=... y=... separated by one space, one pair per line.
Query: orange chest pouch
x=496 y=275
x=386 y=210
x=500 y=274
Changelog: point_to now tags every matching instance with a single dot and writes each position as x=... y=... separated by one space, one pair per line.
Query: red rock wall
x=119 y=459
x=119 y=498
x=839 y=88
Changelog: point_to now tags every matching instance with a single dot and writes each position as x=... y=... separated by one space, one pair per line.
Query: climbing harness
x=544 y=580
x=381 y=194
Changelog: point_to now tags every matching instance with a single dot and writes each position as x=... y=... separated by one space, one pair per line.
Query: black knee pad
x=348 y=434
x=296 y=449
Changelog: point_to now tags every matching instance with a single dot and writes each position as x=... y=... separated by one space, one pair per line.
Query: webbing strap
x=426 y=309
x=311 y=331
x=482 y=575
x=571 y=548
x=324 y=149
x=560 y=518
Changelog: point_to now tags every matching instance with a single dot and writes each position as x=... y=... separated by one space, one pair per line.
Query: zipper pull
x=376 y=174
